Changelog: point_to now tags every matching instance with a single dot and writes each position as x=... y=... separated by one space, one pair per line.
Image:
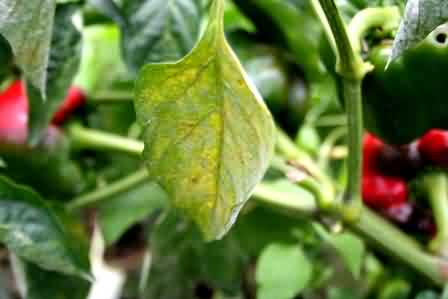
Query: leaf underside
x=27 y=25
x=420 y=18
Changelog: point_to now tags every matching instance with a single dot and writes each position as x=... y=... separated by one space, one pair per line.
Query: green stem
x=352 y=69
x=353 y=105
x=84 y=138
x=328 y=145
x=266 y=194
x=400 y=245
x=111 y=97
x=110 y=190
x=386 y=17
x=435 y=185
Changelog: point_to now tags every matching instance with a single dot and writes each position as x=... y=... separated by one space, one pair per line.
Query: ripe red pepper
x=13 y=113
x=74 y=100
x=379 y=191
x=433 y=146
x=382 y=192
x=371 y=151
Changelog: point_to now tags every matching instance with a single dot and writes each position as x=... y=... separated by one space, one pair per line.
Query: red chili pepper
x=382 y=192
x=13 y=113
x=433 y=146
x=75 y=99
x=371 y=150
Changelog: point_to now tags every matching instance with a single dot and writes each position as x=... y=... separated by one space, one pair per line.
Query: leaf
x=62 y=67
x=420 y=18
x=351 y=249
x=38 y=233
x=208 y=136
x=348 y=246
x=155 y=30
x=41 y=284
x=27 y=25
x=124 y=210
x=283 y=271
x=183 y=260
x=102 y=68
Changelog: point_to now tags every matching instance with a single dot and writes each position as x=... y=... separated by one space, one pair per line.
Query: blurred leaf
x=278 y=20
x=42 y=284
x=275 y=227
x=155 y=30
x=428 y=295
x=49 y=169
x=122 y=211
x=396 y=289
x=349 y=247
x=62 y=67
x=209 y=137
x=102 y=68
x=340 y=293
x=38 y=233
x=183 y=260
x=420 y=18
x=27 y=25
x=283 y=271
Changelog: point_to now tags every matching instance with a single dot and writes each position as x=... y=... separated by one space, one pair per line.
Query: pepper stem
x=435 y=185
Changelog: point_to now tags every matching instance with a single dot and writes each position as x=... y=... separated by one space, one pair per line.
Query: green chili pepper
x=410 y=97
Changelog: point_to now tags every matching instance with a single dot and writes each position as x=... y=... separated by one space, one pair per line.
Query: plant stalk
x=121 y=186
x=84 y=138
x=435 y=185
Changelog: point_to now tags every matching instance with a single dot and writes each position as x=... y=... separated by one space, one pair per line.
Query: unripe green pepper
x=410 y=97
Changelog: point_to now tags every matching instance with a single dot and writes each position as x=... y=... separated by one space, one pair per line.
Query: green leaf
x=120 y=212
x=283 y=271
x=155 y=30
x=208 y=136
x=348 y=246
x=420 y=18
x=49 y=169
x=351 y=249
x=428 y=295
x=27 y=25
x=38 y=233
x=102 y=68
x=182 y=259
x=62 y=67
x=42 y=284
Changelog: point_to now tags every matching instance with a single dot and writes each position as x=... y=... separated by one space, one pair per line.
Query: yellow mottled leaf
x=208 y=136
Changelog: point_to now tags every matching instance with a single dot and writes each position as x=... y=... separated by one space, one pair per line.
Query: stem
x=289 y=149
x=353 y=104
x=111 y=97
x=386 y=17
x=352 y=69
x=328 y=145
x=400 y=245
x=266 y=194
x=349 y=64
x=84 y=138
x=436 y=187
x=110 y=190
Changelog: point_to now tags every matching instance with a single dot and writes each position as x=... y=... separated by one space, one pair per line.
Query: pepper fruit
x=433 y=146
x=409 y=98
x=381 y=192
x=378 y=190
x=49 y=168
x=74 y=100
